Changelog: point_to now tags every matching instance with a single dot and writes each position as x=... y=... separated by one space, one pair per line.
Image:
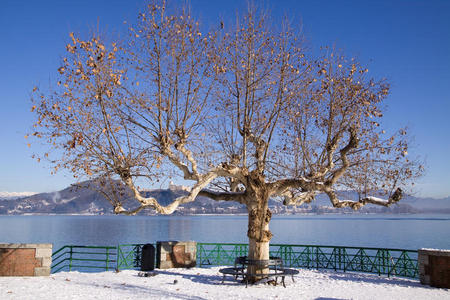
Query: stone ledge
x=435 y=252
x=42 y=271
x=43 y=252
x=26 y=246
x=46 y=261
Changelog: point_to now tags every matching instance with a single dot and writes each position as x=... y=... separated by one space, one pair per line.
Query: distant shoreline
x=237 y=214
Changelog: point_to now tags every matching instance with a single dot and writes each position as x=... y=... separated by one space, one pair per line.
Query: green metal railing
x=94 y=258
x=84 y=258
x=129 y=256
x=381 y=261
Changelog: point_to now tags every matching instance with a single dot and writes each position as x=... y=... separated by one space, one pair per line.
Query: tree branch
x=289 y=198
x=280 y=187
x=188 y=154
x=396 y=196
x=202 y=181
x=187 y=174
x=224 y=196
x=352 y=143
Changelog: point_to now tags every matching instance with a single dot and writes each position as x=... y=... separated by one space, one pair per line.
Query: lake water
x=385 y=231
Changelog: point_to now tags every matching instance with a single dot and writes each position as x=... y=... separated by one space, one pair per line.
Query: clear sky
x=406 y=41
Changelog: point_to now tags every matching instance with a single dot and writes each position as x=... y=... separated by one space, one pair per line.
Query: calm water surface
x=387 y=231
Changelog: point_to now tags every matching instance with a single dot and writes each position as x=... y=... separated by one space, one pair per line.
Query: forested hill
x=76 y=200
x=79 y=200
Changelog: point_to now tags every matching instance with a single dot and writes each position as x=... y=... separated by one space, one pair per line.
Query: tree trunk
x=257 y=251
x=259 y=236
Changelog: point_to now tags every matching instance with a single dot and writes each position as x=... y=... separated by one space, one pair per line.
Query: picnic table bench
x=274 y=264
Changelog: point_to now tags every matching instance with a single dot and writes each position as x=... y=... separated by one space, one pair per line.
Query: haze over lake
x=385 y=231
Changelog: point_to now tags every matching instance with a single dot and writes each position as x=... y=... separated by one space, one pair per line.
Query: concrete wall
x=174 y=254
x=434 y=267
x=25 y=259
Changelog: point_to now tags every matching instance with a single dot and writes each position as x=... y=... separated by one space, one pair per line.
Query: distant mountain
x=428 y=203
x=14 y=195
x=69 y=200
x=408 y=202
x=77 y=199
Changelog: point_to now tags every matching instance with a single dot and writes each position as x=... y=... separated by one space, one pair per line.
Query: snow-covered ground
x=201 y=283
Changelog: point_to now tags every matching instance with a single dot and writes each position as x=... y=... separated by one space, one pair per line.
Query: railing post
x=388 y=259
x=70 y=259
x=290 y=255
x=345 y=258
x=310 y=258
x=117 y=257
x=107 y=258
x=317 y=257
x=199 y=254
x=337 y=258
x=361 y=264
x=380 y=261
x=218 y=253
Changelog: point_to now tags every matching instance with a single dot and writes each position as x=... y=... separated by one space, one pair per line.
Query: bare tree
x=244 y=115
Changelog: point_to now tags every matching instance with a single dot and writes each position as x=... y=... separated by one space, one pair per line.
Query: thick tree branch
x=289 y=198
x=153 y=202
x=239 y=197
x=260 y=146
x=330 y=149
x=188 y=154
x=222 y=170
x=352 y=143
x=396 y=196
x=279 y=188
x=187 y=174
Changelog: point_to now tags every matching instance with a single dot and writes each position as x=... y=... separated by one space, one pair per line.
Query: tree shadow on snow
x=199 y=278
x=212 y=279
x=150 y=292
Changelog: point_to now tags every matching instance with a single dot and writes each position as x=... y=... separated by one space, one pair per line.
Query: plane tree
x=243 y=113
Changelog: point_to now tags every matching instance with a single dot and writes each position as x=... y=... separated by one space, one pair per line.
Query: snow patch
x=15 y=195
x=431 y=249
x=377 y=199
x=64 y=201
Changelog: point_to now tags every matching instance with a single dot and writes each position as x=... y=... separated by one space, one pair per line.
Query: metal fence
x=381 y=261
x=97 y=258
x=84 y=258
x=129 y=256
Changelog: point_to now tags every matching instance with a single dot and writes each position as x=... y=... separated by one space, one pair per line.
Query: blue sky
x=407 y=42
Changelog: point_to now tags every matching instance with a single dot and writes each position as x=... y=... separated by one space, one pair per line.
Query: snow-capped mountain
x=15 y=195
